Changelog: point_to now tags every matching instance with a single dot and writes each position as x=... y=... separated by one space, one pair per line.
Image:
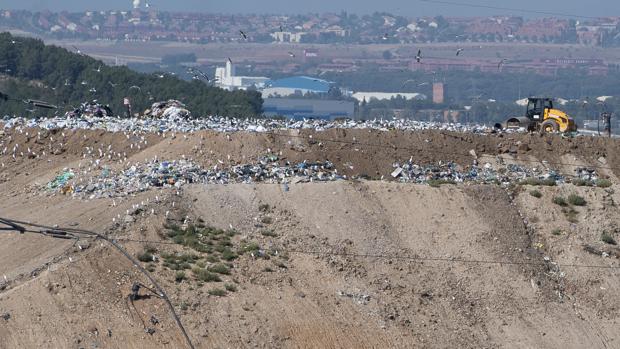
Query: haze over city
x=401 y=7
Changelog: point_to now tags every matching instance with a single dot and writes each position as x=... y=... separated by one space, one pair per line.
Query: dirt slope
x=368 y=264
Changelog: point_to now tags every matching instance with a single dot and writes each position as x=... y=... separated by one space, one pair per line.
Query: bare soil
x=360 y=263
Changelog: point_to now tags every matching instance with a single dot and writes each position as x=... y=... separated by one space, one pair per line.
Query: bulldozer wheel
x=549 y=126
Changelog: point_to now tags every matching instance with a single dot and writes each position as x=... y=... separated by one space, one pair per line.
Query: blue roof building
x=295 y=85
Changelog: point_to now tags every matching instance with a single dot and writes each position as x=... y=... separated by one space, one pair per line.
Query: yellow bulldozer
x=540 y=116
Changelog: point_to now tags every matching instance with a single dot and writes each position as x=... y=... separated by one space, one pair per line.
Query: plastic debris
x=140 y=177
x=61 y=180
x=169 y=109
x=90 y=109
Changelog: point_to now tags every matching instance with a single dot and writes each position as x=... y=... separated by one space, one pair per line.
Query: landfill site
x=220 y=233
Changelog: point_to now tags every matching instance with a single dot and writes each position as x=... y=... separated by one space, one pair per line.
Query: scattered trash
x=452 y=172
x=171 y=109
x=90 y=109
x=140 y=177
x=358 y=297
x=61 y=180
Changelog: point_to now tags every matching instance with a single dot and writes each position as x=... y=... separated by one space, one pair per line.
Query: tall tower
x=230 y=69
x=438 y=93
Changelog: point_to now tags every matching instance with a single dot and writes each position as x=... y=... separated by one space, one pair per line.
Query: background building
x=295 y=108
x=299 y=85
x=226 y=78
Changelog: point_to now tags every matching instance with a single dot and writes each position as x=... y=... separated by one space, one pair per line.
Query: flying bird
x=406 y=82
x=112 y=84
x=499 y=65
x=458 y=51
x=98 y=70
x=230 y=60
x=418 y=57
x=136 y=87
x=243 y=35
x=291 y=54
x=386 y=36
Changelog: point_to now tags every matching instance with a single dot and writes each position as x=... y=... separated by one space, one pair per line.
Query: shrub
x=558 y=200
x=263 y=207
x=556 y=231
x=576 y=200
x=145 y=257
x=580 y=182
x=607 y=238
x=268 y=270
x=603 y=183
x=249 y=247
x=536 y=194
x=205 y=275
x=269 y=233
x=220 y=269
x=230 y=287
x=179 y=276
x=229 y=255
x=266 y=220
x=536 y=181
x=217 y=292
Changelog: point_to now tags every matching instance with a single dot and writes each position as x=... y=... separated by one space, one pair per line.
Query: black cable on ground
x=134 y=261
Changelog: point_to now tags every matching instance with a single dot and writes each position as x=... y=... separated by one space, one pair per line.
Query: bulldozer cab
x=536 y=108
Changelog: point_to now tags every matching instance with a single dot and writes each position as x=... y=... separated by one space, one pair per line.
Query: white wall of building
x=228 y=79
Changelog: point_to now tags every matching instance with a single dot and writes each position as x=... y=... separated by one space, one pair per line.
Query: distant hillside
x=29 y=69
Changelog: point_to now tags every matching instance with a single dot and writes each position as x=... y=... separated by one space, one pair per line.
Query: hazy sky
x=405 y=7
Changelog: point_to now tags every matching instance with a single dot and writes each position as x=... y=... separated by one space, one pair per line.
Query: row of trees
x=33 y=70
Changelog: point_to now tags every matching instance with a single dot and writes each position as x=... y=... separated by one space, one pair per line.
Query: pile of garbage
x=171 y=109
x=450 y=172
x=168 y=117
x=90 y=110
x=174 y=174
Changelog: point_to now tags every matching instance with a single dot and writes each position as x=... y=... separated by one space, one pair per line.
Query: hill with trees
x=29 y=69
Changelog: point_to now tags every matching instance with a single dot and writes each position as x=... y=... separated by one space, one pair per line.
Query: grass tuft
x=560 y=201
x=576 y=200
x=607 y=238
x=603 y=183
x=217 y=292
x=536 y=194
